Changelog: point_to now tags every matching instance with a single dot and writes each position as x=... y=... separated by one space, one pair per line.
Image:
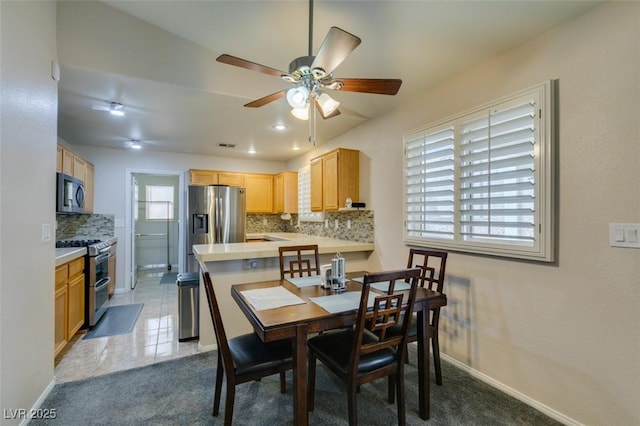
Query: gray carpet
x=180 y=392
x=119 y=319
x=169 y=278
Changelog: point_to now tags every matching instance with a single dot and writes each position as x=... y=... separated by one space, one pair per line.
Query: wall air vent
x=227 y=145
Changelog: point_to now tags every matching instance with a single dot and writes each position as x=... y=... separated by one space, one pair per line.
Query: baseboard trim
x=556 y=415
x=39 y=402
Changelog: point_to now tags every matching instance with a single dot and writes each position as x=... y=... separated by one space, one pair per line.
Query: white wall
x=27 y=171
x=566 y=334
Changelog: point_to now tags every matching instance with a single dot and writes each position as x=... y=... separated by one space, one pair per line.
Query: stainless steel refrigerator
x=216 y=214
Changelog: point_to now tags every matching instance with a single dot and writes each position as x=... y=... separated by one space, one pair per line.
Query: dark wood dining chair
x=301 y=264
x=432 y=264
x=366 y=352
x=244 y=358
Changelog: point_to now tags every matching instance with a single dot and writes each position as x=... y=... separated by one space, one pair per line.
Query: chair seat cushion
x=250 y=354
x=334 y=350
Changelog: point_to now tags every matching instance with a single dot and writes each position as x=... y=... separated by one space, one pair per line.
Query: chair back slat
x=299 y=265
x=390 y=309
x=216 y=317
x=432 y=263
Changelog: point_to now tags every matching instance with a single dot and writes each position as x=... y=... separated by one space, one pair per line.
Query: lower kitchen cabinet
x=69 y=302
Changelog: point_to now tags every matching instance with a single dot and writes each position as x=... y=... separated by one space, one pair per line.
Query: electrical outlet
x=348 y=223
x=335 y=224
x=264 y=221
x=326 y=223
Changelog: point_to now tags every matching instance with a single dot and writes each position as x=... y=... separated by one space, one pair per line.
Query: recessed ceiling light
x=296 y=147
x=251 y=151
x=279 y=127
x=133 y=144
x=117 y=109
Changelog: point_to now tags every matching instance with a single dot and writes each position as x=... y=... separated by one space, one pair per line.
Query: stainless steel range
x=96 y=270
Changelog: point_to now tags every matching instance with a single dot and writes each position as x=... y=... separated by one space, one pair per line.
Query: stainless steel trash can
x=188 y=306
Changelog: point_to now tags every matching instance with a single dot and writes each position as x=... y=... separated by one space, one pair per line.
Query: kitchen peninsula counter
x=266 y=249
x=237 y=263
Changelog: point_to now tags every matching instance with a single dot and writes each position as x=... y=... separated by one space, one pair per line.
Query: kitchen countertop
x=254 y=250
x=67 y=254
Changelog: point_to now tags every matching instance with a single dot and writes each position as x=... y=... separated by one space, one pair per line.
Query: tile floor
x=153 y=339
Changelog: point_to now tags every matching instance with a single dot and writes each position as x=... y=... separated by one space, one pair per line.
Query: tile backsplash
x=79 y=226
x=361 y=222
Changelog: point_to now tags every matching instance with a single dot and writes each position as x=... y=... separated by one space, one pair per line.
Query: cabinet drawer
x=62 y=273
x=76 y=267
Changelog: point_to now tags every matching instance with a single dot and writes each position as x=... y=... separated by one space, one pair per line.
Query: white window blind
x=482 y=181
x=159 y=202
x=304 y=198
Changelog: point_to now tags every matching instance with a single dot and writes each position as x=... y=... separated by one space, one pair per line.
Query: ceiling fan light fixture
x=116 y=109
x=298 y=96
x=327 y=104
x=301 y=113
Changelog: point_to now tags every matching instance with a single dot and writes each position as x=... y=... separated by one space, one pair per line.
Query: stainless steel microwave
x=69 y=194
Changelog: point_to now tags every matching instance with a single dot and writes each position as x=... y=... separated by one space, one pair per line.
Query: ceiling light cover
x=301 y=113
x=298 y=96
x=116 y=109
x=327 y=104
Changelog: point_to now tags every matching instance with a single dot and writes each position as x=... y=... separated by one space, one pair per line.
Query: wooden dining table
x=299 y=320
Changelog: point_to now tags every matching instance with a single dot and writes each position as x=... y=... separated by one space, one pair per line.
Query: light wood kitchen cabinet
x=259 y=194
x=79 y=167
x=60 y=309
x=203 y=177
x=112 y=271
x=59 y=159
x=69 y=302
x=67 y=162
x=231 y=179
x=335 y=176
x=285 y=192
x=88 y=187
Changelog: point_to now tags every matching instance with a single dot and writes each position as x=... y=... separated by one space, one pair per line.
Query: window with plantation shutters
x=482 y=181
x=304 y=198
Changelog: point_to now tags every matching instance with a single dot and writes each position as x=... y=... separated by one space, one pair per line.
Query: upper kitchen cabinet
x=203 y=177
x=335 y=176
x=70 y=163
x=231 y=179
x=259 y=189
x=285 y=192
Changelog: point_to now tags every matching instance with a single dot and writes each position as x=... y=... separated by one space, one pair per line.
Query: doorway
x=155 y=230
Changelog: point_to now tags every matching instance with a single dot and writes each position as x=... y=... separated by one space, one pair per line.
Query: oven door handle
x=103 y=283
x=102 y=256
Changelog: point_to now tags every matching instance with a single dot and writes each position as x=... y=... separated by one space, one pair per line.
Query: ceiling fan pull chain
x=312 y=122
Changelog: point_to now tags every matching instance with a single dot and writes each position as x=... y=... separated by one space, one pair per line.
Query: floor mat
x=119 y=319
x=169 y=278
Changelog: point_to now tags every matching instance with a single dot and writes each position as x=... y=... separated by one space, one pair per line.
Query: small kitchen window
x=482 y=181
x=159 y=203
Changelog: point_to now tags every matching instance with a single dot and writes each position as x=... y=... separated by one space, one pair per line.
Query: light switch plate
x=624 y=235
x=46 y=233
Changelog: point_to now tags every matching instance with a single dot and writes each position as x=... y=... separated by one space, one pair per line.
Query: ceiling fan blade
x=242 y=63
x=335 y=48
x=380 y=86
x=265 y=100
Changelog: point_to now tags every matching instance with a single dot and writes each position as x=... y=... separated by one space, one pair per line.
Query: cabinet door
x=79 y=168
x=285 y=192
x=259 y=193
x=88 y=188
x=59 y=159
x=315 y=172
x=330 y=200
x=67 y=162
x=231 y=179
x=75 y=295
x=203 y=177
x=60 y=320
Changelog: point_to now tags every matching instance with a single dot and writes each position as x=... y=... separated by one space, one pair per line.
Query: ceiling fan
x=312 y=75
